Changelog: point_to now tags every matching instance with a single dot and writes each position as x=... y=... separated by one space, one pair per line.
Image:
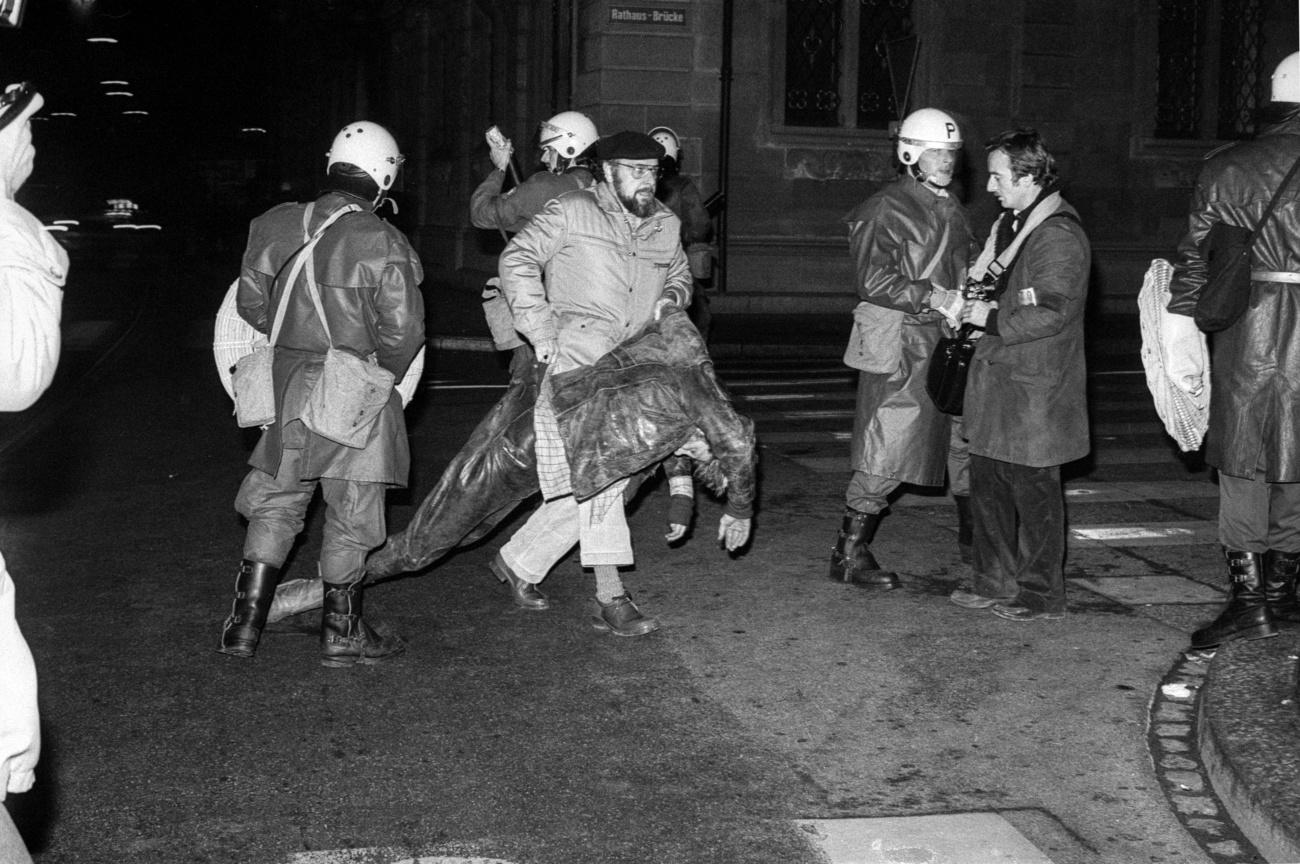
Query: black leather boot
x=346 y=639
x=1246 y=616
x=1280 y=569
x=254 y=590
x=964 y=527
x=851 y=559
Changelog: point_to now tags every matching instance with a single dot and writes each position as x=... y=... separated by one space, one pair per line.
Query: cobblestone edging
x=1175 y=752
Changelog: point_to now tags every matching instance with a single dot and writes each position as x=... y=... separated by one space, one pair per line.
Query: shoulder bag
x=251 y=381
x=350 y=392
x=1225 y=249
x=876 y=340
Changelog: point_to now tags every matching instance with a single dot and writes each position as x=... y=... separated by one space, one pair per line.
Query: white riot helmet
x=926 y=129
x=667 y=138
x=568 y=134
x=1286 y=79
x=371 y=148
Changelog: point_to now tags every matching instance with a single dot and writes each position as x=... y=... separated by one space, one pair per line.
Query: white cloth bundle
x=1176 y=359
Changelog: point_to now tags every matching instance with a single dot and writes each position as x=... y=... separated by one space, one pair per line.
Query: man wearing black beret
x=590 y=271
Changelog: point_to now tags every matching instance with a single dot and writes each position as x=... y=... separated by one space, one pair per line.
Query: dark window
x=1211 y=78
x=854 y=54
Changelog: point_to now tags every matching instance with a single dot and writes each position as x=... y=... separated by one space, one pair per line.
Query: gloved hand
x=732 y=532
x=1184 y=354
x=546 y=350
x=500 y=153
x=662 y=305
x=680 y=510
x=948 y=304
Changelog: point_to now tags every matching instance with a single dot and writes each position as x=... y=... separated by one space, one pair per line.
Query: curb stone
x=1179 y=768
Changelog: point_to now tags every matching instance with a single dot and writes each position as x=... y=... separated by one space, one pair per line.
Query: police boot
x=254 y=588
x=1246 y=616
x=964 y=531
x=851 y=559
x=1280 y=569
x=346 y=639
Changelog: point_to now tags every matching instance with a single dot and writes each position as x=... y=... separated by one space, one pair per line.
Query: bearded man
x=587 y=273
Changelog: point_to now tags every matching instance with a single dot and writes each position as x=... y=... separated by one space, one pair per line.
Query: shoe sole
x=981 y=603
x=1043 y=616
x=503 y=578
x=601 y=627
x=1251 y=635
x=347 y=662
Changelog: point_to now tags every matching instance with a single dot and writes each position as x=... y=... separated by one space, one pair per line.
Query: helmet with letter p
x=926 y=129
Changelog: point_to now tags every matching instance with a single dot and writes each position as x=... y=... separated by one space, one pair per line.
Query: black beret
x=629 y=145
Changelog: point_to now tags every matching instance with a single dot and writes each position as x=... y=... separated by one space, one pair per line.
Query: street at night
x=776 y=715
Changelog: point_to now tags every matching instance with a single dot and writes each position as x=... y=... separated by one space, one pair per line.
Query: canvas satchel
x=1225 y=249
x=254 y=392
x=350 y=392
x=876 y=340
x=251 y=380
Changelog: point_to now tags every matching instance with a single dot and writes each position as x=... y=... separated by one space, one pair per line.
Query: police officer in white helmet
x=356 y=291
x=564 y=141
x=1254 y=423
x=910 y=242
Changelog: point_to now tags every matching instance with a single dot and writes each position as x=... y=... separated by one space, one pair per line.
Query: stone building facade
x=785 y=105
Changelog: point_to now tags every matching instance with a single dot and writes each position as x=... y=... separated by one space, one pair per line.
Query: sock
x=608 y=583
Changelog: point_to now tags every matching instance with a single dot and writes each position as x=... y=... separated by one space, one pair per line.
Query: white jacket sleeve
x=33 y=268
x=29 y=337
x=20 y=728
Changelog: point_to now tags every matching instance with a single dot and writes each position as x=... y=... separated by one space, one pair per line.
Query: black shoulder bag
x=1226 y=250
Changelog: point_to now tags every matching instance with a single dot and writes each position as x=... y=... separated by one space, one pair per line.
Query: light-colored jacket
x=588 y=274
x=31 y=303
x=34 y=268
x=20 y=722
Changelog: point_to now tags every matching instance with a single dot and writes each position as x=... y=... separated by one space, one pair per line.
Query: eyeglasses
x=639 y=171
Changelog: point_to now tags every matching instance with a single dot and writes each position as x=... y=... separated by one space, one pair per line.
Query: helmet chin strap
x=922 y=177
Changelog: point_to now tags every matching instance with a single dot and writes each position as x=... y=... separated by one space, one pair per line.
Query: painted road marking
x=788 y=382
x=433 y=385
x=779 y=397
x=961 y=838
x=1151 y=534
x=1150 y=590
x=383 y=855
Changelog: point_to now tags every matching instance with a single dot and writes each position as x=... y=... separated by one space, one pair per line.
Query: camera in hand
x=982 y=288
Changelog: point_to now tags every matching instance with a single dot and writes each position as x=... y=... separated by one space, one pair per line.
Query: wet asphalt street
x=771 y=695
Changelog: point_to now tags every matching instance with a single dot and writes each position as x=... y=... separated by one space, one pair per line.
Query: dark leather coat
x=368 y=276
x=893 y=236
x=1254 y=402
x=661 y=383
